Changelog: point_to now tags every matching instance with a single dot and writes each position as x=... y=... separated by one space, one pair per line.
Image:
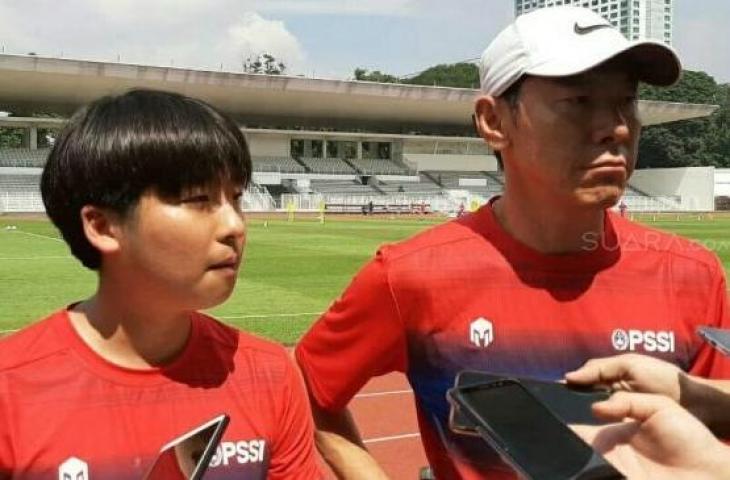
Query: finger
x=636 y=406
x=608 y=370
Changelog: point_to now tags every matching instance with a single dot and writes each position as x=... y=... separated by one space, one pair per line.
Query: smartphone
x=717 y=337
x=527 y=435
x=187 y=457
x=572 y=404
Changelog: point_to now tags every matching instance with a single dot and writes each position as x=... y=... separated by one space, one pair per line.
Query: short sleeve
x=361 y=336
x=293 y=453
x=709 y=362
x=6 y=461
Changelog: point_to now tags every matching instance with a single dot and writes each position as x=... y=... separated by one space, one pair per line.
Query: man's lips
x=607 y=164
x=229 y=262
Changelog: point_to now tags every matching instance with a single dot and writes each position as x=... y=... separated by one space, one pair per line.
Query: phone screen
x=528 y=434
x=572 y=405
x=187 y=457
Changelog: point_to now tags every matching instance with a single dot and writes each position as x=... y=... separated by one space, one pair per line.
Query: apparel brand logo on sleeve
x=73 y=469
x=481 y=332
x=662 y=341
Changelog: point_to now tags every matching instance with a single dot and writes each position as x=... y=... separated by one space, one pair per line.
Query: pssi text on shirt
x=647 y=340
x=241 y=452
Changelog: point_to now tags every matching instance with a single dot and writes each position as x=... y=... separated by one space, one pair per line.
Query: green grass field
x=292 y=271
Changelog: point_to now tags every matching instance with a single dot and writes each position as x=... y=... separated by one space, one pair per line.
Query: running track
x=386 y=417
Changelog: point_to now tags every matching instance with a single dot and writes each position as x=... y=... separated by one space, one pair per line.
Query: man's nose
x=613 y=124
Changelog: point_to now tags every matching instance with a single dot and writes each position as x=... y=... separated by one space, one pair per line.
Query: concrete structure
x=365 y=138
x=693 y=188
x=637 y=19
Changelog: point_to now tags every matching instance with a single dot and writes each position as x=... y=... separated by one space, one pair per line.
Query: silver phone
x=717 y=337
x=187 y=457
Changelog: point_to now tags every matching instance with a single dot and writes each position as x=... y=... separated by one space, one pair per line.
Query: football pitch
x=292 y=270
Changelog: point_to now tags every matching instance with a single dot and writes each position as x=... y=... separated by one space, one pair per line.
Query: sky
x=315 y=38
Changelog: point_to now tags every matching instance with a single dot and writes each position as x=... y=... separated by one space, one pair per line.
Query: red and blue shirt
x=466 y=295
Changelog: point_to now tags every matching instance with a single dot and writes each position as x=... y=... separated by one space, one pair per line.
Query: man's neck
x=548 y=228
x=128 y=334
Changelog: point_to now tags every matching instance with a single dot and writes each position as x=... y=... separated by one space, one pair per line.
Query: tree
x=459 y=75
x=264 y=63
x=374 y=76
x=700 y=142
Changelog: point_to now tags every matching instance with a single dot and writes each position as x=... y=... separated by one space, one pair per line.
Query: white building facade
x=637 y=19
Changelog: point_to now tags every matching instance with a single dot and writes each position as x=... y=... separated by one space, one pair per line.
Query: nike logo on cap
x=589 y=28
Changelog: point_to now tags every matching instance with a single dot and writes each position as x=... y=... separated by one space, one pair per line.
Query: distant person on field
x=145 y=189
x=622 y=208
x=541 y=278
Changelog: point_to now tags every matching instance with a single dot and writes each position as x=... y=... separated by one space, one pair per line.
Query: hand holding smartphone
x=528 y=436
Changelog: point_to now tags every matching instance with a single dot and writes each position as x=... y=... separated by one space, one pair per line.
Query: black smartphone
x=572 y=404
x=717 y=337
x=527 y=435
x=187 y=457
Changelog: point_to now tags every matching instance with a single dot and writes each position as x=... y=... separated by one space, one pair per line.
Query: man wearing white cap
x=543 y=277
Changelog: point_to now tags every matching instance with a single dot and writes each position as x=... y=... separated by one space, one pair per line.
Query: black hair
x=119 y=147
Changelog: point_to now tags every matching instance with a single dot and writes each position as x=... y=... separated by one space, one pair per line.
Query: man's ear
x=489 y=119
x=102 y=228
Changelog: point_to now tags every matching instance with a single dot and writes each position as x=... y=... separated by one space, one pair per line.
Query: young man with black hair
x=145 y=188
x=543 y=277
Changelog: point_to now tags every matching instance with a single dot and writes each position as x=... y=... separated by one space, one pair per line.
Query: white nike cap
x=564 y=41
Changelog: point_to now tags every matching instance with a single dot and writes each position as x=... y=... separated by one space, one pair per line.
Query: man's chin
x=600 y=198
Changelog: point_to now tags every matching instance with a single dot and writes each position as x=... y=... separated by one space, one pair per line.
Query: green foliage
x=374 y=76
x=264 y=63
x=459 y=75
x=693 y=87
x=11 y=137
x=701 y=142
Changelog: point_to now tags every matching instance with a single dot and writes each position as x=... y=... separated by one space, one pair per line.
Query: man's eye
x=580 y=99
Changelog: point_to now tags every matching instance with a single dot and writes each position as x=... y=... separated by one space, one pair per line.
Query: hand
x=662 y=441
x=632 y=373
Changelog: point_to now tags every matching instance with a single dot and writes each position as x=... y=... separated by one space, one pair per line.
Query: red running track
x=386 y=416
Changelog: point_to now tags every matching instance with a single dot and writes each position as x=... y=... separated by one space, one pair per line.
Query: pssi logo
x=241 y=452
x=73 y=469
x=481 y=332
x=647 y=340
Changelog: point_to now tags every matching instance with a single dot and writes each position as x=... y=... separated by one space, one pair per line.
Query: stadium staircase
x=304 y=165
x=352 y=165
x=431 y=178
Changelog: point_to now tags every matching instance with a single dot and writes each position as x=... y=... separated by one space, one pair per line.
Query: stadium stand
x=23 y=157
x=277 y=164
x=637 y=200
x=327 y=165
x=481 y=183
x=19 y=190
x=423 y=186
x=379 y=166
x=342 y=187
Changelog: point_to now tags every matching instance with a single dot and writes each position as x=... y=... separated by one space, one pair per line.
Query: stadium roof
x=30 y=84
